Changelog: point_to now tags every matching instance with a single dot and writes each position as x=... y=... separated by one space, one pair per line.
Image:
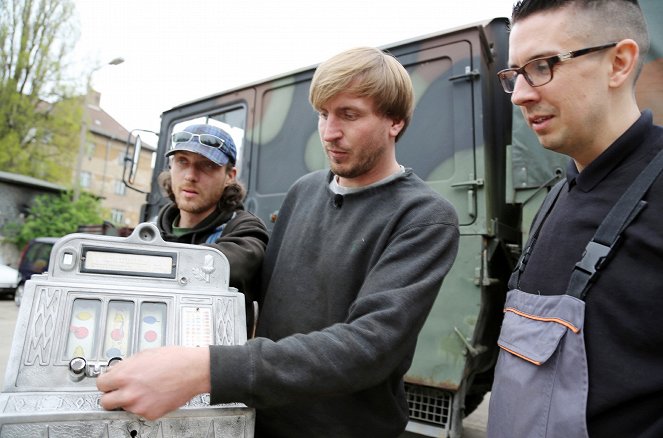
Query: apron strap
x=541 y=216
x=608 y=234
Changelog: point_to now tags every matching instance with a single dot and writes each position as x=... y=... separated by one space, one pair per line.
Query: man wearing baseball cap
x=207 y=206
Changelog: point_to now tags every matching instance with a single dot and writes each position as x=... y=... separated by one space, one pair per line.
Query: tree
x=39 y=117
x=55 y=216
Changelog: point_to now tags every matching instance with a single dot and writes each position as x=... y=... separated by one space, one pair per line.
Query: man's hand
x=156 y=381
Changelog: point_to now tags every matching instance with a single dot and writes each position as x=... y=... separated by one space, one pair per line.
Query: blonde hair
x=366 y=72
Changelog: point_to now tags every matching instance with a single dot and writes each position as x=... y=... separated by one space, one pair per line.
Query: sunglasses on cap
x=205 y=139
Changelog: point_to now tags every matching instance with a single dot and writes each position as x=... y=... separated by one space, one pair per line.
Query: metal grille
x=429 y=404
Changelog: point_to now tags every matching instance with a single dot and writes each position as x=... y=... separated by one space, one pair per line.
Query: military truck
x=466 y=140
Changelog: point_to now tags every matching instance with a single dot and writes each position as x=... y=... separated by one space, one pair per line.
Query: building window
x=117 y=216
x=120 y=188
x=86 y=179
x=89 y=149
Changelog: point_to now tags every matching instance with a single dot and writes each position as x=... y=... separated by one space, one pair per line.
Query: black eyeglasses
x=539 y=71
x=205 y=139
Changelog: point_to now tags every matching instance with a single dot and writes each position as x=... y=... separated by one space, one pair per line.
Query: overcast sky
x=176 y=51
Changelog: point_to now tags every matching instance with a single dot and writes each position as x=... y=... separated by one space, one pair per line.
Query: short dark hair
x=616 y=19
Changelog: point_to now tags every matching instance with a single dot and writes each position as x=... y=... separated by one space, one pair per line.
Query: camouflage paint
x=466 y=140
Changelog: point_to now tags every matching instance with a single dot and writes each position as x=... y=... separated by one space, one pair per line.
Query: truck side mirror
x=132 y=157
x=138 y=145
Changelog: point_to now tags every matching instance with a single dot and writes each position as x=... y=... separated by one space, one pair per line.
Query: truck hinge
x=481 y=277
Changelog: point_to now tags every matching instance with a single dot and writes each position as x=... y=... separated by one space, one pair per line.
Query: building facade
x=18 y=193
x=102 y=166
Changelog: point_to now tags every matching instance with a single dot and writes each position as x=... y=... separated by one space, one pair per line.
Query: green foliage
x=39 y=118
x=55 y=216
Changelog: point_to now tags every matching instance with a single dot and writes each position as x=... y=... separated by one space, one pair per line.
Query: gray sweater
x=348 y=286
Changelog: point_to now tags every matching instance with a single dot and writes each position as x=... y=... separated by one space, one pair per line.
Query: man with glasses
x=352 y=269
x=207 y=207
x=581 y=343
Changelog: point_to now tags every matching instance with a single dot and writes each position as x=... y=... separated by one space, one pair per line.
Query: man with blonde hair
x=354 y=263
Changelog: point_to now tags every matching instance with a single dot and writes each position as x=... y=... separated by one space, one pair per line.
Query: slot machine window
x=152 y=325
x=119 y=329
x=83 y=328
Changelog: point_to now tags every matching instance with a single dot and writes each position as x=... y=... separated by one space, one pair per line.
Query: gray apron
x=541 y=378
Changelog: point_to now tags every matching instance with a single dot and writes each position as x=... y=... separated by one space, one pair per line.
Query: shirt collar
x=626 y=146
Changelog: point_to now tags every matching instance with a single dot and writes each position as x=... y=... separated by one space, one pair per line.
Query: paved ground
x=8 y=313
x=474 y=425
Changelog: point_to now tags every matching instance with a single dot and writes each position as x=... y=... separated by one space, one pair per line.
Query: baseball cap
x=211 y=142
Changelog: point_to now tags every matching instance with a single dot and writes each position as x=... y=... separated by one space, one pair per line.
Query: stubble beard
x=193 y=206
x=363 y=164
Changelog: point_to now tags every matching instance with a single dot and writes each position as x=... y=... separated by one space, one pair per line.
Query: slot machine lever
x=79 y=368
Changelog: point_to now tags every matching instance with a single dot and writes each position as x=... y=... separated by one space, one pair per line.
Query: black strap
x=608 y=234
x=541 y=216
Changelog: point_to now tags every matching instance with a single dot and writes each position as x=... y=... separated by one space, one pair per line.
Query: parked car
x=33 y=260
x=9 y=279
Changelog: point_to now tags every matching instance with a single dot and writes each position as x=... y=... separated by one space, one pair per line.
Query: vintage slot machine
x=103 y=299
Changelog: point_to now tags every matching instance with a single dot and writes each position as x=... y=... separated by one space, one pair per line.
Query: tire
x=18 y=295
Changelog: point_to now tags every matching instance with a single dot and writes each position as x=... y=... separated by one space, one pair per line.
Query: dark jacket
x=243 y=241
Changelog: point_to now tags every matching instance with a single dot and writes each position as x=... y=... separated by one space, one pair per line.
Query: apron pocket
x=537 y=341
x=530 y=337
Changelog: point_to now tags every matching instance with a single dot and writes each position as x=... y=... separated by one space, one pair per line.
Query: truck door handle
x=474 y=183
x=469 y=74
x=472 y=186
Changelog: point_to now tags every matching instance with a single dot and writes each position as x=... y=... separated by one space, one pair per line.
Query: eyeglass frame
x=550 y=60
x=222 y=147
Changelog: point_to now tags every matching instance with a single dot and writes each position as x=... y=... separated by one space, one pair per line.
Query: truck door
x=446 y=146
x=285 y=143
x=440 y=142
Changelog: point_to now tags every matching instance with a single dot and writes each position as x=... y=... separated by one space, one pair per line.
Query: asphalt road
x=8 y=314
x=474 y=426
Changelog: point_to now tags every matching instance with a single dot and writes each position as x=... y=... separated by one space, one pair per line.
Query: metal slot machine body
x=104 y=299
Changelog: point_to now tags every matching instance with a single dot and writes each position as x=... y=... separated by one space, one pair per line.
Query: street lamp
x=84 y=125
